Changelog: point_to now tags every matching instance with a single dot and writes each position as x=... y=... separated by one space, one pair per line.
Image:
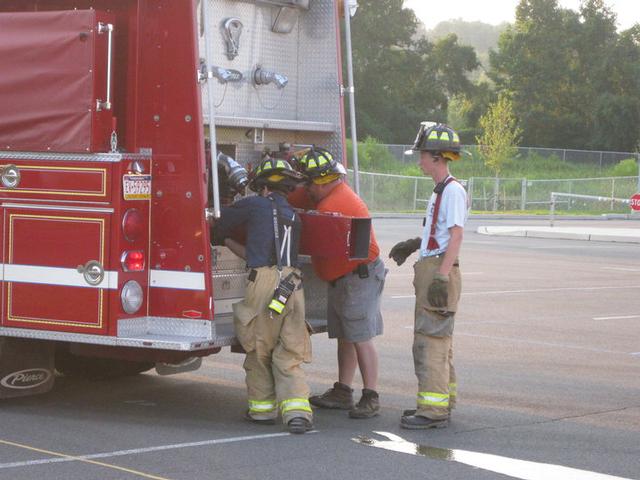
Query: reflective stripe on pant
x=262 y=410
x=295 y=405
x=433 y=361
x=276 y=345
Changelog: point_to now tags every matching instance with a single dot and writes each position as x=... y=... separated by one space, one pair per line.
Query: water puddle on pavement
x=511 y=467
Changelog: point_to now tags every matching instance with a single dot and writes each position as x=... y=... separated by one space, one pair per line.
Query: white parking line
x=619 y=317
x=474 y=322
x=569 y=247
x=411 y=274
x=545 y=344
x=508 y=466
x=561 y=289
x=120 y=453
x=538 y=290
x=622 y=269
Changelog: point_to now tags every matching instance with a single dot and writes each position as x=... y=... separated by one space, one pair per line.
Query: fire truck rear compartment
x=82 y=114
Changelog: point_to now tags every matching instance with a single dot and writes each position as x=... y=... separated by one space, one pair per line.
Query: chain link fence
x=396 y=193
x=599 y=159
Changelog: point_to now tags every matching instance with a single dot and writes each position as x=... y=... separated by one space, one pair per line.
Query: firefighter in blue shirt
x=269 y=322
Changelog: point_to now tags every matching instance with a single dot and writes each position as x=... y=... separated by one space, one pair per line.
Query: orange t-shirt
x=345 y=201
x=300 y=199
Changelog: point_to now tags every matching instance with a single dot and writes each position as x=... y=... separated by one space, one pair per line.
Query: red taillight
x=132 y=224
x=133 y=261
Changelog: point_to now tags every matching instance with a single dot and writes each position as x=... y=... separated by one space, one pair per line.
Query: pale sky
x=431 y=12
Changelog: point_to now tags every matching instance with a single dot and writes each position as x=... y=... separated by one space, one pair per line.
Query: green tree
x=481 y=36
x=499 y=139
x=501 y=134
x=402 y=79
x=532 y=64
x=573 y=78
x=465 y=110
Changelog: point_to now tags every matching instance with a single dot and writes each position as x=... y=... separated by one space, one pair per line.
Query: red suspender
x=432 y=244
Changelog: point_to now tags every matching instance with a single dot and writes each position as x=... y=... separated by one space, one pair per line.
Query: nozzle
x=236 y=173
x=225 y=75
x=263 y=77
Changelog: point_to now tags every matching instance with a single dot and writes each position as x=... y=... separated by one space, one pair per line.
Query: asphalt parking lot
x=547 y=349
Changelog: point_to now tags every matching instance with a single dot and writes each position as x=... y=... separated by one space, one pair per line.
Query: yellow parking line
x=84 y=460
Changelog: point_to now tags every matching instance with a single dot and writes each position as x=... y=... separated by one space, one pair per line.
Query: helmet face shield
x=422 y=130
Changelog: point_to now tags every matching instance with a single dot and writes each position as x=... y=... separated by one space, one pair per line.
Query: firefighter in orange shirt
x=355 y=288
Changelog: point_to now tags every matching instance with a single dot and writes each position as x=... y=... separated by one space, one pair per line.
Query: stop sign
x=635 y=202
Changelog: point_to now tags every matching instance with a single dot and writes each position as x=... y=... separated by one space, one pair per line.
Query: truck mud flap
x=26 y=367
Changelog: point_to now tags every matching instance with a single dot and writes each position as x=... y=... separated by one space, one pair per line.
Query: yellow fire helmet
x=319 y=165
x=275 y=172
x=438 y=138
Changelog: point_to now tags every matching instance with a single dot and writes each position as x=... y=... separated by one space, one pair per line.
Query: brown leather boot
x=340 y=397
x=368 y=406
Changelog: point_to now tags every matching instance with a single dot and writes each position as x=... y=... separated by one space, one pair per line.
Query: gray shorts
x=353 y=310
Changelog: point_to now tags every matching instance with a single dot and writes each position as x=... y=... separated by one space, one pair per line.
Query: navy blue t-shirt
x=256 y=214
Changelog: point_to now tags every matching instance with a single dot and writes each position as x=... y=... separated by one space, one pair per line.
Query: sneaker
x=340 y=397
x=299 y=425
x=259 y=419
x=417 y=422
x=368 y=406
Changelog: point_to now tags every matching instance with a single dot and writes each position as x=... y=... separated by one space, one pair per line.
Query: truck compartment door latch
x=93 y=272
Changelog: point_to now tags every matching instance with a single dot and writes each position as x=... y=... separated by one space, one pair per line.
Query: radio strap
x=432 y=244
x=283 y=249
x=276 y=232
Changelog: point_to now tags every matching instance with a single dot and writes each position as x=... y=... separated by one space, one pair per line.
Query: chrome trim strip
x=64 y=277
x=177 y=280
x=155 y=342
x=61 y=207
x=13 y=198
x=73 y=157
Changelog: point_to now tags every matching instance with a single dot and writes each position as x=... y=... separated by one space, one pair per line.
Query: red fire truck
x=105 y=184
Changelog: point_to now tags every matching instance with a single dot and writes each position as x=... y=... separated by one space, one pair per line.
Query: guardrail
x=555 y=195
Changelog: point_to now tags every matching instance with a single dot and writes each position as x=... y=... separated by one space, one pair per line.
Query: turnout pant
x=433 y=342
x=276 y=346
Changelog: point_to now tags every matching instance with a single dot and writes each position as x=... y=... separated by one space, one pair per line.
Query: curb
x=593 y=235
x=484 y=216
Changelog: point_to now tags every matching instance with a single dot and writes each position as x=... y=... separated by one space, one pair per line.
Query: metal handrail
x=212 y=109
x=106 y=28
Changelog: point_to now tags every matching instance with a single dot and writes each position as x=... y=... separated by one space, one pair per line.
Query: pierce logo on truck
x=23 y=379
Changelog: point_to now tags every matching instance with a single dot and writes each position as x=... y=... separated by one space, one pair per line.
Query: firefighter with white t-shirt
x=437 y=279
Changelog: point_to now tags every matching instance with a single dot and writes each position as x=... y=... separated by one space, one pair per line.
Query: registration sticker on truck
x=136 y=187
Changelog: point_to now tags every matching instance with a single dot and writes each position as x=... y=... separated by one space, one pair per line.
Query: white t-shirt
x=453 y=211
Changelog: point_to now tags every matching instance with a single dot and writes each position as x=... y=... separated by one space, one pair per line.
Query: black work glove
x=438 y=293
x=402 y=250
